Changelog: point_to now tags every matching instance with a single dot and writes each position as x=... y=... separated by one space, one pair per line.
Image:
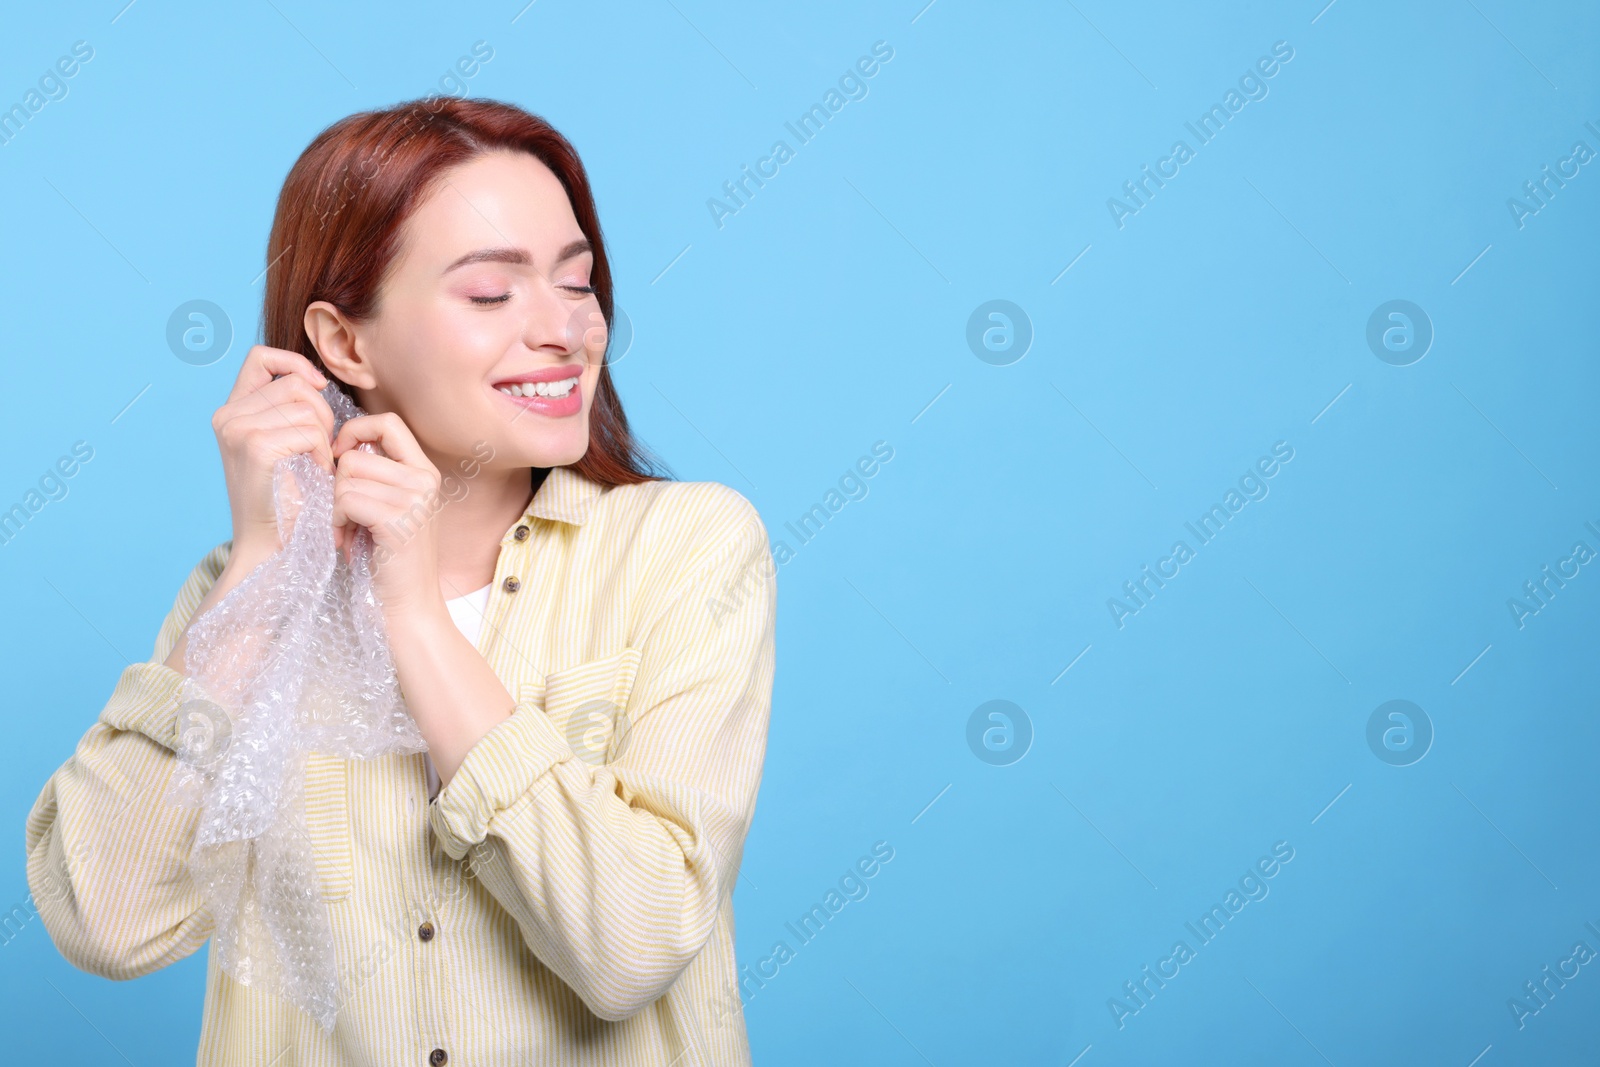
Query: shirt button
x=438 y=1057
x=425 y=931
x=521 y=534
x=511 y=584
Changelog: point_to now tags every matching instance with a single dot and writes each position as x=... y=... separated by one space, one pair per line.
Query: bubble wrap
x=295 y=659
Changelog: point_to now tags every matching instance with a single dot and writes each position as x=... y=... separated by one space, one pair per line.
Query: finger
x=291 y=400
x=274 y=442
x=397 y=501
x=369 y=466
x=293 y=390
x=300 y=428
x=353 y=508
x=263 y=363
x=294 y=441
x=281 y=433
x=387 y=430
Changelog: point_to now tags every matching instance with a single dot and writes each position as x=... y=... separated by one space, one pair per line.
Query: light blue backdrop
x=1149 y=356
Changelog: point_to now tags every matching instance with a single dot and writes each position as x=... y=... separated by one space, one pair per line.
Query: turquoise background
x=1043 y=858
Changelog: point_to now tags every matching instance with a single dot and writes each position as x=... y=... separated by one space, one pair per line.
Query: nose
x=554 y=325
x=569 y=331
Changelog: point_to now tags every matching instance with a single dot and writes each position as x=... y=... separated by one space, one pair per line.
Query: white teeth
x=552 y=389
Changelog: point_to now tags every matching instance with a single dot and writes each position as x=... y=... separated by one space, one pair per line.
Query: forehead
x=500 y=198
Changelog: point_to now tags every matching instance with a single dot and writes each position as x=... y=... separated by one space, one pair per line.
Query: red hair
x=339 y=216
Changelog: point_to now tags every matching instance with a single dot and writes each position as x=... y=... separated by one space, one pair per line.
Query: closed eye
x=489 y=301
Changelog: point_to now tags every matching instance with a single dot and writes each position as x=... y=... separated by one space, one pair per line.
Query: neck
x=473 y=515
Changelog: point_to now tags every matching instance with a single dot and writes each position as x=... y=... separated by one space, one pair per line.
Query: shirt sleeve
x=107 y=856
x=615 y=872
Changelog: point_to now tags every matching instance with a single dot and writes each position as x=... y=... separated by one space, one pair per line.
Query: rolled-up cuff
x=495 y=773
x=146 y=699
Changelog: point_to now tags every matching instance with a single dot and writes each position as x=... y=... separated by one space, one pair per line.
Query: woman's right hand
x=276 y=409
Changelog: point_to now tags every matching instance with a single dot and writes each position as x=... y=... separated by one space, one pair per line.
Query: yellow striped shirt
x=567 y=897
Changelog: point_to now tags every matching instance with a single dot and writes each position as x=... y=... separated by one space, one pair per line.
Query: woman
x=586 y=648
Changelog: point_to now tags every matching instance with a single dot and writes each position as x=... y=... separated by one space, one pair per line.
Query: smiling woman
x=569 y=904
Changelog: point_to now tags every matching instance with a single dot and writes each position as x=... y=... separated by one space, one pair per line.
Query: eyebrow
x=518 y=256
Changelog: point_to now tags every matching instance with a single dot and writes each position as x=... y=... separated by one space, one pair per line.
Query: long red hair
x=339 y=216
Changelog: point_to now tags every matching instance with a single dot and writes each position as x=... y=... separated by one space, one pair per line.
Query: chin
x=556 y=453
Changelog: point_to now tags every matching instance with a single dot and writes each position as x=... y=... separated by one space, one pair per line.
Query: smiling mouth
x=555 y=398
x=555 y=390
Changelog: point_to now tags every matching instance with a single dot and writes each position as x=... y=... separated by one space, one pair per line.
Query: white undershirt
x=467 y=613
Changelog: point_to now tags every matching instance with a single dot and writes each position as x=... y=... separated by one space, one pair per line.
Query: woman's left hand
x=395 y=496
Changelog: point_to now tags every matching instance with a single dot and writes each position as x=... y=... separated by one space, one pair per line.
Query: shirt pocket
x=328 y=822
x=587 y=703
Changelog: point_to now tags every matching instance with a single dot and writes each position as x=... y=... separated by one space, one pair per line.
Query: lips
x=550 y=406
x=545 y=374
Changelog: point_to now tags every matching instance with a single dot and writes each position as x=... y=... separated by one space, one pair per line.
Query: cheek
x=451 y=351
x=433 y=364
x=467 y=336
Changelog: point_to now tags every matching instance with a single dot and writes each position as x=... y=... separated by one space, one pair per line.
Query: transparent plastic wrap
x=293 y=660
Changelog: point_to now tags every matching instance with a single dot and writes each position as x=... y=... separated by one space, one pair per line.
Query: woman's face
x=490 y=289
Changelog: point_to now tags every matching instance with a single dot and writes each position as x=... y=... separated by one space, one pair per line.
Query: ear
x=334 y=337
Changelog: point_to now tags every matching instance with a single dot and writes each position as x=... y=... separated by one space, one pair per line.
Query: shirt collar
x=564 y=496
